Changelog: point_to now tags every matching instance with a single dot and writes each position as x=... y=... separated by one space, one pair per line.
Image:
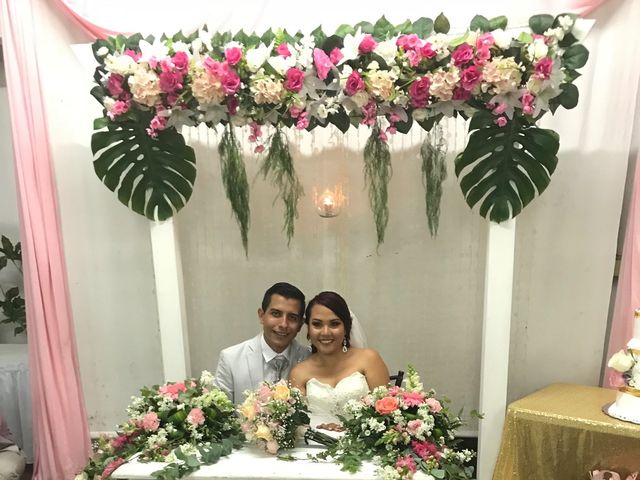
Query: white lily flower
x=257 y=56
x=281 y=64
x=350 y=48
x=157 y=50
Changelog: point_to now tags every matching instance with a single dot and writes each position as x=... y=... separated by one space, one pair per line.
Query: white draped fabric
x=15 y=395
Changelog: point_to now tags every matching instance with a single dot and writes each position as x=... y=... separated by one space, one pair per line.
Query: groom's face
x=281 y=321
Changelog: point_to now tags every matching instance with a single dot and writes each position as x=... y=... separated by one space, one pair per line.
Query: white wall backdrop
x=419 y=298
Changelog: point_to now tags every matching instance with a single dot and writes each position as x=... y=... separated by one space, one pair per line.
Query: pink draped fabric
x=61 y=434
x=628 y=292
x=95 y=31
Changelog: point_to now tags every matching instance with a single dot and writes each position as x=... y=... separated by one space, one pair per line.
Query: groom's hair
x=337 y=305
x=285 y=290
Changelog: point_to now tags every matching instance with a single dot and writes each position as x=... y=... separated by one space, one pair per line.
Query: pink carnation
x=425 y=450
x=112 y=467
x=283 y=49
x=412 y=399
x=151 y=422
x=543 y=68
x=172 y=390
x=367 y=45
x=335 y=55
x=434 y=404
x=322 y=63
x=406 y=462
x=462 y=54
x=354 y=84
x=195 y=417
x=233 y=55
x=295 y=80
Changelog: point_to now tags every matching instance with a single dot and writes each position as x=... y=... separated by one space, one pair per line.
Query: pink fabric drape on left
x=628 y=292
x=61 y=434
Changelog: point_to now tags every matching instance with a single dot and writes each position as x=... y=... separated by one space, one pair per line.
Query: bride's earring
x=344 y=344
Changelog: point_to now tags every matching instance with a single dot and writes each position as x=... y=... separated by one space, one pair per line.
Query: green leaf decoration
x=278 y=166
x=423 y=27
x=234 y=179
x=344 y=30
x=383 y=28
x=575 y=57
x=365 y=27
x=441 y=24
x=479 y=23
x=377 y=173
x=498 y=22
x=404 y=28
x=152 y=176
x=569 y=96
x=505 y=167
x=540 y=23
x=318 y=35
x=434 y=171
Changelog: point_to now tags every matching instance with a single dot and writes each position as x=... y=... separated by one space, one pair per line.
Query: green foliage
x=540 y=23
x=152 y=176
x=278 y=167
x=234 y=179
x=505 y=167
x=434 y=171
x=377 y=173
x=441 y=24
x=575 y=57
x=480 y=23
x=12 y=306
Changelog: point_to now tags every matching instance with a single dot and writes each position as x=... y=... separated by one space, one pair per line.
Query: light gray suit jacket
x=240 y=367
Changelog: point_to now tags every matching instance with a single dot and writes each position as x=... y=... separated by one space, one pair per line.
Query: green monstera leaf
x=505 y=167
x=152 y=176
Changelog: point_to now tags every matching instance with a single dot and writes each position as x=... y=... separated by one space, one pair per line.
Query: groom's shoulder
x=248 y=344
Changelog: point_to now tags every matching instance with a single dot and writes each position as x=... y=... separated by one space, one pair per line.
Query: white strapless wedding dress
x=325 y=401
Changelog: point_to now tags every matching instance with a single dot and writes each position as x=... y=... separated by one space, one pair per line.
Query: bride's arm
x=296 y=377
x=375 y=369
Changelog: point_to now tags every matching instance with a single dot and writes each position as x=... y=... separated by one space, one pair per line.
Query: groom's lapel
x=254 y=362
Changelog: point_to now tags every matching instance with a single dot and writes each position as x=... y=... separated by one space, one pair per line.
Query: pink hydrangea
x=295 y=80
x=195 y=417
x=462 y=54
x=151 y=422
x=322 y=63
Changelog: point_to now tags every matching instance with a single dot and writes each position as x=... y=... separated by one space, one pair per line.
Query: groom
x=271 y=354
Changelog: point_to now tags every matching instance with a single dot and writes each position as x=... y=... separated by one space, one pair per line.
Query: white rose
x=387 y=50
x=537 y=49
x=621 y=361
x=102 y=51
x=502 y=38
x=257 y=56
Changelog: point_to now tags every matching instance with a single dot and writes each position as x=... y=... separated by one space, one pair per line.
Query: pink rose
x=283 y=49
x=354 y=84
x=233 y=55
x=414 y=425
x=295 y=80
x=485 y=40
x=118 y=108
x=151 y=422
x=543 y=68
x=419 y=92
x=322 y=63
x=367 y=45
x=482 y=55
x=114 y=85
x=230 y=81
x=406 y=462
x=335 y=55
x=500 y=121
x=180 y=61
x=386 y=405
x=462 y=54
x=470 y=77
x=408 y=42
x=616 y=379
x=434 y=404
x=264 y=393
x=414 y=57
x=170 y=81
x=427 y=51
x=303 y=121
x=195 y=417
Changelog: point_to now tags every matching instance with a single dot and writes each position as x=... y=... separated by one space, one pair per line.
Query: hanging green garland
x=434 y=171
x=385 y=76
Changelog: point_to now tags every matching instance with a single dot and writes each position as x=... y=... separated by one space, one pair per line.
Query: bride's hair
x=337 y=305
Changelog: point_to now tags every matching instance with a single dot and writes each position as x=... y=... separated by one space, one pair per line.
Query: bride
x=335 y=372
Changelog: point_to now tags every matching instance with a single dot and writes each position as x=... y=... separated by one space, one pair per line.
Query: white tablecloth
x=254 y=464
x=15 y=394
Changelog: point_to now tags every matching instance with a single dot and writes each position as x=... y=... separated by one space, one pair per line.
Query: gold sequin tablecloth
x=561 y=433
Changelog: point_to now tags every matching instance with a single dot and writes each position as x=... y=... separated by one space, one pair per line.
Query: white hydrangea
x=207 y=378
x=502 y=38
x=387 y=50
x=120 y=64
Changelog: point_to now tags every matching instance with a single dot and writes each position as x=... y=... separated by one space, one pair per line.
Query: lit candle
x=328 y=204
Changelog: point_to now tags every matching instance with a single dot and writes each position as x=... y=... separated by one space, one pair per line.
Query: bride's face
x=326 y=330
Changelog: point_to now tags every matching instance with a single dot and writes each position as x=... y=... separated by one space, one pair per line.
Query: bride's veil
x=357 y=338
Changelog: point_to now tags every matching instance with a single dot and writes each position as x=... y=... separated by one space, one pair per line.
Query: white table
x=15 y=395
x=252 y=463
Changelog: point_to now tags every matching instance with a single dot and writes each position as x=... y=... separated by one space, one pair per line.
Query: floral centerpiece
x=627 y=365
x=403 y=430
x=272 y=415
x=384 y=76
x=184 y=424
